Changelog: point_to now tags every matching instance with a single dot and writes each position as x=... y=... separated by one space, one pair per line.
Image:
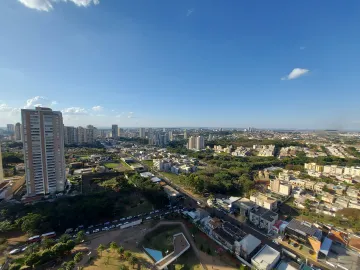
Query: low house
x=266 y=258
x=263 y=218
x=247 y=247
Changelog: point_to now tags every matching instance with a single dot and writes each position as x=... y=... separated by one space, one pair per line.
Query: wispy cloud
x=295 y=73
x=189 y=12
x=131 y=115
x=97 y=108
x=74 y=111
x=47 y=5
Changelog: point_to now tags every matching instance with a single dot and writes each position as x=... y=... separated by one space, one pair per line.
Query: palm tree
x=120 y=251
x=113 y=246
x=100 y=249
x=133 y=260
x=127 y=255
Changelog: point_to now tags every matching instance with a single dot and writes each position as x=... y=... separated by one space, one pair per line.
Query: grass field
x=111 y=165
x=148 y=163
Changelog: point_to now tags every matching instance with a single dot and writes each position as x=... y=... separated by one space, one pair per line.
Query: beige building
x=192 y=142
x=264 y=201
x=281 y=187
x=43 y=139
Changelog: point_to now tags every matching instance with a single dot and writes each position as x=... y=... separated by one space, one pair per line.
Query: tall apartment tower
x=142 y=132
x=81 y=135
x=17 y=132
x=192 y=142
x=43 y=140
x=10 y=127
x=200 y=143
x=114 y=131
x=1 y=167
x=185 y=134
x=70 y=135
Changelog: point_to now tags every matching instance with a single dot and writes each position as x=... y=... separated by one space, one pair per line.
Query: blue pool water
x=155 y=254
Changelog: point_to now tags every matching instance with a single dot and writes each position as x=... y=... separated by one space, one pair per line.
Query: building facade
x=114 y=131
x=142 y=132
x=70 y=135
x=10 y=128
x=17 y=132
x=43 y=140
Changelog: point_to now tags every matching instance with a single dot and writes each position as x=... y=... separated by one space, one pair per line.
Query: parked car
x=148 y=218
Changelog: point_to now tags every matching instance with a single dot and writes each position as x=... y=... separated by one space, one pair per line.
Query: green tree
x=80 y=236
x=123 y=267
x=127 y=255
x=120 y=251
x=113 y=246
x=64 y=238
x=32 y=259
x=100 y=249
x=6 y=226
x=133 y=260
x=47 y=243
x=70 y=244
x=31 y=223
x=78 y=257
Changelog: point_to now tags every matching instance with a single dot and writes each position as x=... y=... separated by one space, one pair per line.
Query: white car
x=129 y=217
x=87 y=233
x=156 y=211
x=275 y=242
x=122 y=219
x=96 y=230
x=148 y=218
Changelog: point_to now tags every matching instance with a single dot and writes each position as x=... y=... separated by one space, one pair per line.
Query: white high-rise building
x=1 y=167
x=200 y=143
x=90 y=134
x=185 y=134
x=171 y=136
x=119 y=132
x=80 y=135
x=70 y=135
x=43 y=140
x=142 y=132
x=17 y=132
x=114 y=131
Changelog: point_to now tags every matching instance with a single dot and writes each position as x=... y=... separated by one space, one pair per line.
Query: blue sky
x=285 y=64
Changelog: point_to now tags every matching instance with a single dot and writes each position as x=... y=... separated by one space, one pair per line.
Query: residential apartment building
x=43 y=140
x=280 y=187
x=17 y=132
x=70 y=135
x=1 y=167
x=90 y=134
x=10 y=128
x=142 y=132
x=196 y=143
x=264 y=201
x=115 y=131
x=266 y=258
x=80 y=135
x=263 y=218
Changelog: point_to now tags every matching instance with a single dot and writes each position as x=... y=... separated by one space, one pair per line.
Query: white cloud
x=295 y=73
x=39 y=101
x=5 y=108
x=189 y=12
x=130 y=115
x=47 y=5
x=97 y=108
x=74 y=111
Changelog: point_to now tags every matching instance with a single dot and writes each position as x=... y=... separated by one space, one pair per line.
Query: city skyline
x=182 y=64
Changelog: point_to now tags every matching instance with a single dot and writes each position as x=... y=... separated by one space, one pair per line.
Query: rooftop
x=269 y=215
x=266 y=256
x=224 y=235
x=304 y=227
x=249 y=243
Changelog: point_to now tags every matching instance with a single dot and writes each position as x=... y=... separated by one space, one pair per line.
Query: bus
x=48 y=235
x=35 y=238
